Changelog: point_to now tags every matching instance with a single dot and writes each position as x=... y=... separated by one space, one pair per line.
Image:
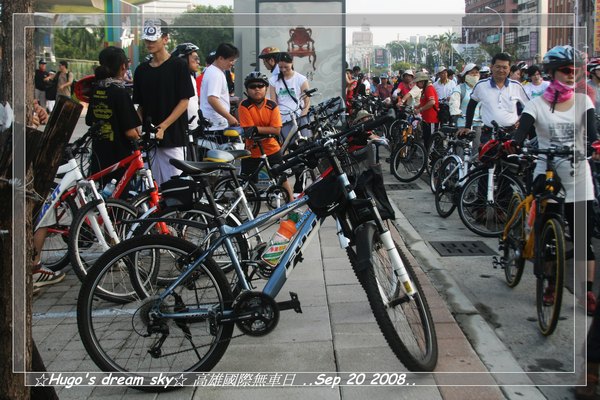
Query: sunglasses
x=568 y=70
x=259 y=86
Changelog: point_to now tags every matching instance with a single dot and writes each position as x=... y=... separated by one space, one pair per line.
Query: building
x=487 y=28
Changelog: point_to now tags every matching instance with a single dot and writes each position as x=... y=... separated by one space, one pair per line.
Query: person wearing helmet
x=594 y=82
x=260 y=116
x=189 y=52
x=498 y=96
x=162 y=88
x=517 y=71
x=537 y=85
x=558 y=119
x=270 y=57
x=484 y=73
x=460 y=97
x=384 y=89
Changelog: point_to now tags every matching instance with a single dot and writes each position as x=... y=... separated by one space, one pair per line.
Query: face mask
x=471 y=80
x=558 y=92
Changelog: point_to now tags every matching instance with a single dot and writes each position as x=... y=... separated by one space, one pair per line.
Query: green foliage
x=78 y=42
x=401 y=65
x=205 y=31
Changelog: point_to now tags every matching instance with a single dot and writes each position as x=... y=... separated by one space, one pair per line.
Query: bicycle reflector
x=490 y=151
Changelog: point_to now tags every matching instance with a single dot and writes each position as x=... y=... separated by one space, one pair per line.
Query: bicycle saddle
x=237 y=154
x=218 y=156
x=200 y=167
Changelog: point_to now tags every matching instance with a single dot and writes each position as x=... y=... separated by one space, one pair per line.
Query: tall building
x=487 y=28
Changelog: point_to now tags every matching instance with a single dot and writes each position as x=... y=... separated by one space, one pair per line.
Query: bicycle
x=156 y=326
x=535 y=234
x=408 y=158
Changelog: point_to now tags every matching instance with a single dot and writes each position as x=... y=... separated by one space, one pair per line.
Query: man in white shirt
x=444 y=86
x=214 y=94
x=498 y=96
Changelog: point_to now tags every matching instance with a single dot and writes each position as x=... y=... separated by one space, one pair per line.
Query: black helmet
x=256 y=76
x=184 y=49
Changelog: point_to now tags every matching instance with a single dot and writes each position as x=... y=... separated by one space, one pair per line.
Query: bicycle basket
x=490 y=151
x=326 y=196
x=180 y=192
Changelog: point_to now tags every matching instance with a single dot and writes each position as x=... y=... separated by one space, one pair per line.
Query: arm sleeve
x=137 y=86
x=592 y=134
x=470 y=113
x=127 y=116
x=526 y=125
x=186 y=88
x=276 y=118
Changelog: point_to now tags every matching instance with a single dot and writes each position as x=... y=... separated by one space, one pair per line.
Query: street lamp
x=403 y=52
x=502 y=27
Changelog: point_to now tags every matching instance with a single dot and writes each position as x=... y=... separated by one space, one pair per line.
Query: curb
x=495 y=356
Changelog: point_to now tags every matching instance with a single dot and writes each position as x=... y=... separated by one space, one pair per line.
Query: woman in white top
x=537 y=86
x=286 y=90
x=559 y=118
x=459 y=100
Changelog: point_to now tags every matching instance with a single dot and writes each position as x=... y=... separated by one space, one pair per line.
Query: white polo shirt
x=497 y=104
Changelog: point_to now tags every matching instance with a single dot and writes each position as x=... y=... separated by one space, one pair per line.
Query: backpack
x=444 y=113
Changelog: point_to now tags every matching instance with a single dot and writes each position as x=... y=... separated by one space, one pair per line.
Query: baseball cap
x=42 y=61
x=468 y=68
x=441 y=69
x=154 y=29
x=408 y=72
x=268 y=52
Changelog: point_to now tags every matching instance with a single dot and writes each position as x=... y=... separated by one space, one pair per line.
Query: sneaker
x=591 y=303
x=43 y=276
x=548 y=298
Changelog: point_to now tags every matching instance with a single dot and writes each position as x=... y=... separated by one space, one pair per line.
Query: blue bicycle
x=187 y=324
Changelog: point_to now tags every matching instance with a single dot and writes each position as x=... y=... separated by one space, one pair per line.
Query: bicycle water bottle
x=109 y=188
x=280 y=240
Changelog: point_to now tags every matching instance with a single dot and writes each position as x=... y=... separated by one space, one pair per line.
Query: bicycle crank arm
x=293 y=304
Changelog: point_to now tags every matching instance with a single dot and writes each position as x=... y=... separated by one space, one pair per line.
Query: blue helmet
x=559 y=56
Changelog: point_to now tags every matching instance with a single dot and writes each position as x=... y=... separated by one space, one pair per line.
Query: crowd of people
x=169 y=94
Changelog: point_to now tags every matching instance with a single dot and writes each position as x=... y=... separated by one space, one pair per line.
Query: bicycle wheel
x=476 y=212
x=196 y=234
x=131 y=338
x=406 y=323
x=549 y=285
x=224 y=194
x=512 y=257
x=445 y=195
x=433 y=174
x=436 y=150
x=408 y=161
x=55 y=251
x=84 y=245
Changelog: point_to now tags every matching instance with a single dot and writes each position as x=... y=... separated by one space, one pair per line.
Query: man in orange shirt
x=263 y=115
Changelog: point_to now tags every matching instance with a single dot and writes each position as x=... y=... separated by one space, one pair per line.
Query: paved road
x=486 y=331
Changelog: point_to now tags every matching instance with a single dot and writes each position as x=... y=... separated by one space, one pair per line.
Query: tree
x=78 y=42
x=190 y=28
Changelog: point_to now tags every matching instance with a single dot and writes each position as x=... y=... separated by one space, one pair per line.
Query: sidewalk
x=335 y=333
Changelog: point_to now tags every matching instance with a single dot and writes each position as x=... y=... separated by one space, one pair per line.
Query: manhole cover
x=401 y=186
x=456 y=248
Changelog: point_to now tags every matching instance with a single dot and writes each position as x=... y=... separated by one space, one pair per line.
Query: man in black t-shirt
x=42 y=77
x=162 y=88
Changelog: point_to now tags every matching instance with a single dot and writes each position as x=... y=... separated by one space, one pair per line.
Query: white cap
x=441 y=69
x=408 y=72
x=468 y=68
x=153 y=29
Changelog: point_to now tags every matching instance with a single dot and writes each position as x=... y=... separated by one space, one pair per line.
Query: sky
x=454 y=9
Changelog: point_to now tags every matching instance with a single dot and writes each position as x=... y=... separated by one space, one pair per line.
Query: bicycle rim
x=85 y=247
x=434 y=174
x=408 y=162
x=552 y=256
x=478 y=215
x=513 y=261
x=55 y=251
x=406 y=325
x=121 y=338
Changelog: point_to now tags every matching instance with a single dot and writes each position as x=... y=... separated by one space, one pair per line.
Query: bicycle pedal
x=293 y=304
x=497 y=262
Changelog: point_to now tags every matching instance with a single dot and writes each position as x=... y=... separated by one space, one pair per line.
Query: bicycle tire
x=408 y=161
x=203 y=214
x=445 y=195
x=55 y=250
x=224 y=194
x=436 y=149
x=118 y=339
x=395 y=133
x=417 y=354
x=480 y=217
x=433 y=174
x=552 y=250
x=513 y=260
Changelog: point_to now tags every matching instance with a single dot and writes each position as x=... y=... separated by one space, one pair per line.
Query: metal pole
x=502 y=27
